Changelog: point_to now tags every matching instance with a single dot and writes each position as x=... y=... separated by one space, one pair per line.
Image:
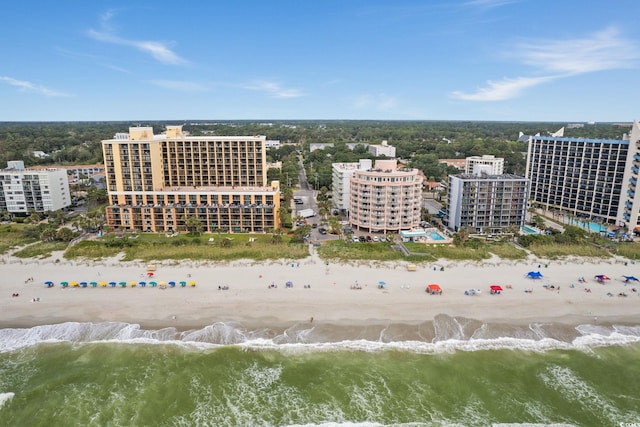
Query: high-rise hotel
x=594 y=179
x=156 y=182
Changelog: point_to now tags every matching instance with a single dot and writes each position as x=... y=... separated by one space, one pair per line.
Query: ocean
x=449 y=372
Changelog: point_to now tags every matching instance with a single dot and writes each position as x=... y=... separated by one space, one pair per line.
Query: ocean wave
x=444 y=335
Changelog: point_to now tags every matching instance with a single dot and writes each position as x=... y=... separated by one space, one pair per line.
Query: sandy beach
x=321 y=293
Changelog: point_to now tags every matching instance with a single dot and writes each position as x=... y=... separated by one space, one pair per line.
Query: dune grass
x=16 y=235
x=41 y=249
x=223 y=247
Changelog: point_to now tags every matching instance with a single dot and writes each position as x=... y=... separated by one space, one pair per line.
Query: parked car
x=369 y=238
x=375 y=238
x=383 y=239
x=362 y=239
x=322 y=230
x=355 y=239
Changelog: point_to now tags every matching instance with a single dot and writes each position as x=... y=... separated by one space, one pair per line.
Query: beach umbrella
x=601 y=277
x=112 y=284
x=133 y=284
x=49 y=284
x=183 y=283
x=123 y=284
x=150 y=274
x=93 y=284
x=172 y=283
x=83 y=284
x=534 y=275
x=64 y=284
x=434 y=288
x=495 y=287
x=192 y=283
x=381 y=283
x=153 y=284
x=103 y=283
x=630 y=278
x=74 y=284
x=143 y=284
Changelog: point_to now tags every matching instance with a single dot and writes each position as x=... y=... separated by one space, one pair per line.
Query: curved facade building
x=385 y=198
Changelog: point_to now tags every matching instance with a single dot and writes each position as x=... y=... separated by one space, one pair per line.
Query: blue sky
x=520 y=60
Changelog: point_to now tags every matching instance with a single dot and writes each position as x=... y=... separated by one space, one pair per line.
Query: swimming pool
x=594 y=227
x=530 y=230
x=436 y=236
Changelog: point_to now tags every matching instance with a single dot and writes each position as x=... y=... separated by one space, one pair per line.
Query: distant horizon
x=362 y=60
x=265 y=121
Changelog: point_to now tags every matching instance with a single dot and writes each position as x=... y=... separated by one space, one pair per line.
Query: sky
x=495 y=60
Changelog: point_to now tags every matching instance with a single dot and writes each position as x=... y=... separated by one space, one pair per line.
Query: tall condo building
x=23 y=190
x=594 y=179
x=385 y=198
x=492 y=165
x=487 y=203
x=341 y=174
x=156 y=182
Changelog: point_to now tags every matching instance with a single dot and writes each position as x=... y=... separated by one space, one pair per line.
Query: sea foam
x=452 y=337
x=5 y=397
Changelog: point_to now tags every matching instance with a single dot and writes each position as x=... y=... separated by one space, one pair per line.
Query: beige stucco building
x=385 y=198
x=156 y=182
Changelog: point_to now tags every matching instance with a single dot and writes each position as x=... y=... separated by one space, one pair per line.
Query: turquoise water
x=119 y=375
x=435 y=236
x=594 y=227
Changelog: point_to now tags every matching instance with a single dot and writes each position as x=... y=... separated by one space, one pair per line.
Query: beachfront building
x=384 y=149
x=24 y=190
x=592 y=179
x=385 y=198
x=156 y=182
x=487 y=203
x=488 y=164
x=341 y=174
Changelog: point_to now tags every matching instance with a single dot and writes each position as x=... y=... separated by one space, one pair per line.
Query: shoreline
x=322 y=291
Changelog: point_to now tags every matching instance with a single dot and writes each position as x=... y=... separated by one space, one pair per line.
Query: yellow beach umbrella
x=103 y=284
x=192 y=283
x=133 y=284
x=74 y=284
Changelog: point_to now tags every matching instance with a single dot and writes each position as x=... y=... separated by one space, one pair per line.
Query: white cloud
x=503 y=89
x=31 y=87
x=179 y=85
x=604 y=50
x=273 y=89
x=158 y=50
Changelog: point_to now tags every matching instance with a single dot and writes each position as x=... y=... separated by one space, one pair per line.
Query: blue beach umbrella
x=49 y=284
x=143 y=284
x=172 y=283
x=83 y=284
x=112 y=284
